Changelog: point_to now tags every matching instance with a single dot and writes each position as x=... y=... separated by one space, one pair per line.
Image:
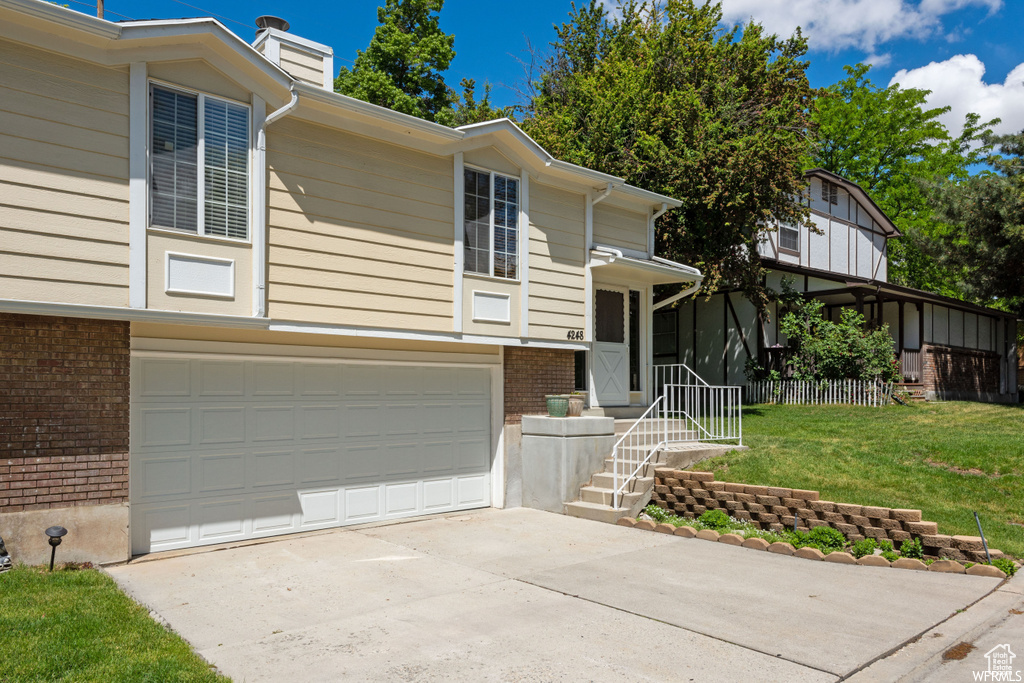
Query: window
x=199 y=164
x=491 y=214
x=789 y=238
x=829 y=192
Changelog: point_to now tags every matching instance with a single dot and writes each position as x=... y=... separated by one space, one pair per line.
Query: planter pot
x=557 y=405
x=575 y=405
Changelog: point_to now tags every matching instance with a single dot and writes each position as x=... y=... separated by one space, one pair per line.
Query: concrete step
x=606 y=480
x=618 y=412
x=594 y=494
x=595 y=511
x=627 y=468
x=656 y=429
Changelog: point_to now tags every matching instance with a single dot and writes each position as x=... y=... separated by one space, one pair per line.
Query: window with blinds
x=199 y=164
x=789 y=238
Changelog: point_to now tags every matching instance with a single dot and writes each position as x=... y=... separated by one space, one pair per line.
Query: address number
x=574 y=335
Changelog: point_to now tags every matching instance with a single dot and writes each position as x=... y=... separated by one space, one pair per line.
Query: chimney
x=303 y=59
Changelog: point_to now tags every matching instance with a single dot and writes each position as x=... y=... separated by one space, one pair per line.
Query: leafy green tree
x=821 y=349
x=887 y=141
x=401 y=68
x=986 y=217
x=672 y=102
x=469 y=110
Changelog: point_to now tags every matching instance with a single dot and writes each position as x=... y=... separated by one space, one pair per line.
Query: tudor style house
x=235 y=304
x=948 y=349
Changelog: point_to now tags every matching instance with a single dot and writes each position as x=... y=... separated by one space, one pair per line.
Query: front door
x=611 y=346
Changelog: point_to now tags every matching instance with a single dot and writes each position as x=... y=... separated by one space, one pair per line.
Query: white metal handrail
x=627 y=450
x=710 y=413
x=678 y=373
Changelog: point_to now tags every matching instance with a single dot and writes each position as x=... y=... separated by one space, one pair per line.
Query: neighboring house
x=949 y=349
x=235 y=304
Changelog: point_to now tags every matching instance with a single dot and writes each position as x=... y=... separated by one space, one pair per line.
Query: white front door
x=611 y=346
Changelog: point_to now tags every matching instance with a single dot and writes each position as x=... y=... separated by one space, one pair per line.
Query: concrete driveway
x=523 y=595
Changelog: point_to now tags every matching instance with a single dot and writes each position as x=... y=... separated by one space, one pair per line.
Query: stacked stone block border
x=945 y=566
x=690 y=494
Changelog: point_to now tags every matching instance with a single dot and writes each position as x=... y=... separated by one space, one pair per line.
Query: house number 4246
x=574 y=335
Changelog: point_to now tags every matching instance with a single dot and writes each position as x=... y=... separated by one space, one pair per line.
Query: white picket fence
x=830 y=392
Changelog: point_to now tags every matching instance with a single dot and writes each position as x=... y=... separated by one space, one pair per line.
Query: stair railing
x=703 y=413
x=637 y=441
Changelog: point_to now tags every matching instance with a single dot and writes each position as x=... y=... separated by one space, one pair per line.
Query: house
x=235 y=304
x=949 y=349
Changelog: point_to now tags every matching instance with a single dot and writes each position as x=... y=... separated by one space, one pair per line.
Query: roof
x=654 y=271
x=888 y=227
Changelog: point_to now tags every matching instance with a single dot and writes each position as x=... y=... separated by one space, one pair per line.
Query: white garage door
x=226 y=448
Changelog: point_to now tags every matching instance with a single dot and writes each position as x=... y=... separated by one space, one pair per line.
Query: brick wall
x=955 y=369
x=63 y=412
x=530 y=374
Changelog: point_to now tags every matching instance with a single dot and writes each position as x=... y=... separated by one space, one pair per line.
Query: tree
x=401 y=68
x=467 y=110
x=672 y=102
x=889 y=143
x=985 y=237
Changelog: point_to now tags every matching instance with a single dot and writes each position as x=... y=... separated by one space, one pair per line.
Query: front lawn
x=946 y=459
x=77 y=626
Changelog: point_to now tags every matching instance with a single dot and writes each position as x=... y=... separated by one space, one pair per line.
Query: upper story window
x=199 y=164
x=829 y=192
x=789 y=238
x=491 y=213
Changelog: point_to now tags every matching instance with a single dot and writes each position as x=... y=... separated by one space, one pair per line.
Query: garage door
x=230 y=448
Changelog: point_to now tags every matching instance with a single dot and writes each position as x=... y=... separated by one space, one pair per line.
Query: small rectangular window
x=829 y=192
x=491 y=218
x=789 y=238
x=199 y=164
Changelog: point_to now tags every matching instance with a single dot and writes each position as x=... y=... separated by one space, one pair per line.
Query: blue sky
x=968 y=52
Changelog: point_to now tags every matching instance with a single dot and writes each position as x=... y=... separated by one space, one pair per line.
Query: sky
x=967 y=52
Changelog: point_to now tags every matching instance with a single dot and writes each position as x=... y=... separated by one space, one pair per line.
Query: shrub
x=890 y=555
x=912 y=549
x=864 y=547
x=1006 y=564
x=825 y=538
x=717 y=520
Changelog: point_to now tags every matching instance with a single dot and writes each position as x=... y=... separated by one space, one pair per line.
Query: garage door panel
x=226 y=449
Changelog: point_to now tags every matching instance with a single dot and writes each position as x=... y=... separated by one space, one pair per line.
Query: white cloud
x=878 y=60
x=958 y=83
x=840 y=24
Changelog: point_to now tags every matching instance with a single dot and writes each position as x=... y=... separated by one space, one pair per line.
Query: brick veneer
x=964 y=371
x=691 y=494
x=63 y=412
x=530 y=374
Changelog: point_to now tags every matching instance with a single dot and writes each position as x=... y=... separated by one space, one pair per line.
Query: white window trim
x=202 y=96
x=490 y=221
x=789 y=250
x=203 y=259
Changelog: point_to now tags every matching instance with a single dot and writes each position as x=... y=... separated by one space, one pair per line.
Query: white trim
x=477 y=317
x=588 y=276
x=329 y=71
x=491 y=175
x=198 y=259
x=460 y=233
x=66 y=17
x=129 y=314
x=138 y=182
x=498 y=431
x=290 y=39
x=258 y=207
x=524 y=253
x=385 y=333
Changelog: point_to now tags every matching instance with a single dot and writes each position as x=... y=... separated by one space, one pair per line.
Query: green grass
x=946 y=459
x=78 y=626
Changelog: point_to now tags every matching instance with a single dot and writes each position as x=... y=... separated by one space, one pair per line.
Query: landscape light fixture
x=55 y=534
x=5 y=557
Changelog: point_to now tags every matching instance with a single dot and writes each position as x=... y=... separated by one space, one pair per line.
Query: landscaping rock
x=874 y=532
x=815 y=523
x=780 y=548
x=888 y=524
x=781 y=511
x=906 y=515
x=841 y=558
x=671 y=482
x=809 y=554
x=952 y=554
x=732 y=506
x=876 y=512
x=685 y=531
x=873 y=561
x=707 y=535
x=742 y=515
x=833 y=517
x=711 y=503
x=768 y=501
x=858 y=520
x=946 y=566
x=735 y=488
x=937 y=541
x=779 y=492
x=701 y=476
x=787 y=520
x=715 y=486
x=853 y=538
x=626 y=521
x=968 y=543
x=775 y=526
x=731 y=539
x=986 y=570
x=822 y=505
x=664 y=473
x=806 y=513
x=767 y=518
x=922 y=528
x=805 y=495
x=699 y=510
x=664 y=528
x=756 y=543
x=661 y=489
x=645 y=524
x=700 y=493
x=793 y=502
x=745 y=497
x=846 y=509
x=897 y=535
x=756 y=490
x=847 y=529
x=725 y=496
x=910 y=563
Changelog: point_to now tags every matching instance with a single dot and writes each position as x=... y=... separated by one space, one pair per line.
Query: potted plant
x=576 y=401
x=557 y=405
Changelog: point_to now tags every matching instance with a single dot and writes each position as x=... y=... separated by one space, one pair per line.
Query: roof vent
x=268 y=21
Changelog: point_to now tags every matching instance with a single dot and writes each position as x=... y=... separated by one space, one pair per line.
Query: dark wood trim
x=899 y=341
x=739 y=328
x=851 y=224
x=789 y=252
x=725 y=342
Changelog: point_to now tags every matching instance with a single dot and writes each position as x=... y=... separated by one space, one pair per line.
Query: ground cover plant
x=946 y=459
x=76 y=625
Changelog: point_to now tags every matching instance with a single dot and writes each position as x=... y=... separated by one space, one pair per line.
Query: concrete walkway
x=523 y=595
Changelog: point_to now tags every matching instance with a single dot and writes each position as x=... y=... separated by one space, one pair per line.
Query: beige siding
x=63 y=178
x=302 y=65
x=618 y=227
x=198 y=75
x=557 y=234
x=160 y=242
x=360 y=231
x=489 y=285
